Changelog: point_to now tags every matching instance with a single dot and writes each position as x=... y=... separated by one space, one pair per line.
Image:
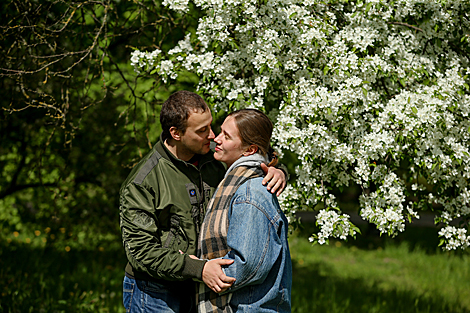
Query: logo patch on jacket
x=192 y=192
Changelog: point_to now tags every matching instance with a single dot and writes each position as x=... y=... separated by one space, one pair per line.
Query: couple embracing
x=199 y=237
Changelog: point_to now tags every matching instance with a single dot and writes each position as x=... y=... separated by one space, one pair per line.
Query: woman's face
x=229 y=144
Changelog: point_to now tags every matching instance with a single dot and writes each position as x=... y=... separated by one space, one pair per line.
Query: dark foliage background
x=74 y=116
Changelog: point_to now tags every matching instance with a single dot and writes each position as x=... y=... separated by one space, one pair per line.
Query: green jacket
x=162 y=205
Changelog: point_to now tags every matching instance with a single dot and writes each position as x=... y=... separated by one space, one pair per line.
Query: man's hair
x=255 y=128
x=176 y=110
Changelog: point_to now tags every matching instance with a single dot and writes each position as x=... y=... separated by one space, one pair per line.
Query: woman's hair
x=255 y=128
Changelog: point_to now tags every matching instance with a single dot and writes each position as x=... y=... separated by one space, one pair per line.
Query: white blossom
x=357 y=92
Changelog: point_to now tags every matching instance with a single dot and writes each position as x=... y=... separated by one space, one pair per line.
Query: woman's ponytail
x=273 y=156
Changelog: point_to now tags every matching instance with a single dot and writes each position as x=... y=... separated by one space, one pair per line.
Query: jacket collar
x=165 y=153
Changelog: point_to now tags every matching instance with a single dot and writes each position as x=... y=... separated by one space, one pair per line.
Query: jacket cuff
x=193 y=268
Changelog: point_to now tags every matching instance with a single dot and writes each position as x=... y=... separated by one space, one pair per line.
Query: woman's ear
x=175 y=133
x=252 y=149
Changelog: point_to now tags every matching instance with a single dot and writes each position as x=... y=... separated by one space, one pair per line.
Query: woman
x=244 y=223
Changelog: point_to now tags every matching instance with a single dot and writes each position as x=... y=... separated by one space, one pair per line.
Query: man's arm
x=276 y=178
x=142 y=242
x=213 y=275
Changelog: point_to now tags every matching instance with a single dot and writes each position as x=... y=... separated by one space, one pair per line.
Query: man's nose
x=211 y=135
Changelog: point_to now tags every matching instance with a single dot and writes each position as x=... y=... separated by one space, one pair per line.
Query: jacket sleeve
x=142 y=243
x=254 y=243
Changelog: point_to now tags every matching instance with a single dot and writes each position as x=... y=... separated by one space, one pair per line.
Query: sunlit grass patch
x=344 y=278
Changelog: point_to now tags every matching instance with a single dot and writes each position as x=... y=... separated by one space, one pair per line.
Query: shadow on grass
x=51 y=280
x=48 y=280
x=315 y=292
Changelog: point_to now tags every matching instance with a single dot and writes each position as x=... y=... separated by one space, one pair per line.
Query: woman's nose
x=217 y=139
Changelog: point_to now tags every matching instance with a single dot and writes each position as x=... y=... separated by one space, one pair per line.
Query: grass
x=392 y=276
x=49 y=280
x=372 y=274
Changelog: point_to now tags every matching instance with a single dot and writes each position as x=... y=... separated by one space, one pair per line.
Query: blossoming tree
x=372 y=93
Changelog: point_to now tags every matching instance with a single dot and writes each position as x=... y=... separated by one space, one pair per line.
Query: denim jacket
x=257 y=236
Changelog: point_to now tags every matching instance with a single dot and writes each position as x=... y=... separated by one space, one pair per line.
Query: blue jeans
x=141 y=296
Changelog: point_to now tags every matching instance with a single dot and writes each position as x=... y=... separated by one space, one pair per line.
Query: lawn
x=372 y=274
x=343 y=278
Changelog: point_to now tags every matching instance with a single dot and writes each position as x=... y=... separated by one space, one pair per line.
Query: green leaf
x=415 y=110
x=357 y=229
x=325 y=69
x=364 y=91
x=261 y=70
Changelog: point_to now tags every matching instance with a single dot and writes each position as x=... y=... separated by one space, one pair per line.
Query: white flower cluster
x=370 y=93
x=384 y=207
x=144 y=60
x=177 y=5
x=334 y=225
x=453 y=238
x=151 y=62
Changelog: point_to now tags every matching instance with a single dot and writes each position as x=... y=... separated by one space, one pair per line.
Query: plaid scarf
x=213 y=236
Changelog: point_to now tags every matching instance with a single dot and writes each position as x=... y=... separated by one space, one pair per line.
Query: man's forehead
x=199 y=118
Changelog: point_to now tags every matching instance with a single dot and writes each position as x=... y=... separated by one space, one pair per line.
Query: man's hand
x=214 y=277
x=275 y=177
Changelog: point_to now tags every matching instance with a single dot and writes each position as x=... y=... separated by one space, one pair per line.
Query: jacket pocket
x=176 y=238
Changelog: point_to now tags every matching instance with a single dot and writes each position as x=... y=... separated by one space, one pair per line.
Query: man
x=162 y=205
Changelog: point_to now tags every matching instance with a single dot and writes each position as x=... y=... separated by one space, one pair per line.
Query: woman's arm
x=255 y=245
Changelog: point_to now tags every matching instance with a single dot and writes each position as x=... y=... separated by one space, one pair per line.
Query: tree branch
x=407 y=25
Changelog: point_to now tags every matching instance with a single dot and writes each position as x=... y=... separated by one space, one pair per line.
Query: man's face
x=198 y=135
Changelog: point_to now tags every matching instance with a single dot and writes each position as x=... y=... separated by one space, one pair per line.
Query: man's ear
x=175 y=133
x=252 y=149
